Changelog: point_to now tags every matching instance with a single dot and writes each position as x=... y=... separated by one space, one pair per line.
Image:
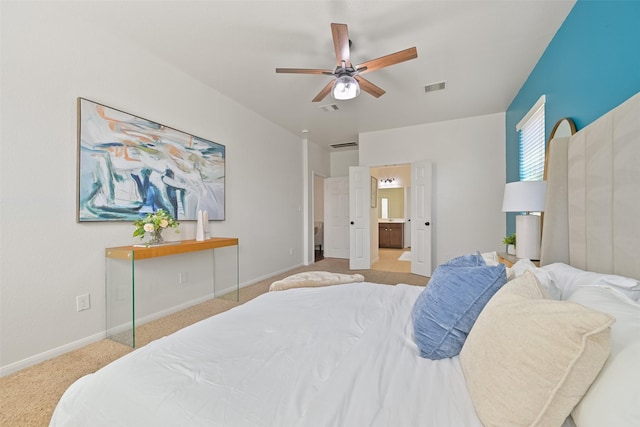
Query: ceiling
x=484 y=50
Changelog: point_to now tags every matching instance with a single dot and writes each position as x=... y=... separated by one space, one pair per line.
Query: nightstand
x=509 y=260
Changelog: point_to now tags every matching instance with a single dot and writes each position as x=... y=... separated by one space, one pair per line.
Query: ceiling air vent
x=434 y=86
x=329 y=108
x=345 y=144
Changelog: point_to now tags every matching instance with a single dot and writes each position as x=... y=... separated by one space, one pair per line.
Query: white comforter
x=334 y=356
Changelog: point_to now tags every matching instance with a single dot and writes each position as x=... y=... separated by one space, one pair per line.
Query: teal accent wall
x=591 y=65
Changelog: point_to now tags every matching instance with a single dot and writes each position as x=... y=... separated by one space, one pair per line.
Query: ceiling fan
x=348 y=79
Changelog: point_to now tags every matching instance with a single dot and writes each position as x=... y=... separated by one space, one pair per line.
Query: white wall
x=468 y=158
x=341 y=160
x=50 y=56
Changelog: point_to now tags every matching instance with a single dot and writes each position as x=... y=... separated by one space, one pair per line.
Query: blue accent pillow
x=446 y=310
x=470 y=260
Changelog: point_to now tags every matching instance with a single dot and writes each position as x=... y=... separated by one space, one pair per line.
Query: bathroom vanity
x=391 y=234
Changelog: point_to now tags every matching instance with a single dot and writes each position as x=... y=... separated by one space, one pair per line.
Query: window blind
x=532 y=144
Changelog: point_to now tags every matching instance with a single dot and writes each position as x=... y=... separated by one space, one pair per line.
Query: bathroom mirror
x=395 y=202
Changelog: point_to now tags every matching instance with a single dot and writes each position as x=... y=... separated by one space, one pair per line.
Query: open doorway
x=318 y=217
x=351 y=223
x=394 y=218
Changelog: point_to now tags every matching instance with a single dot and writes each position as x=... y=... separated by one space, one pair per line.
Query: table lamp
x=527 y=197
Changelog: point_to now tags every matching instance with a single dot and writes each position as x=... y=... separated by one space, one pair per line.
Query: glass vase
x=156 y=237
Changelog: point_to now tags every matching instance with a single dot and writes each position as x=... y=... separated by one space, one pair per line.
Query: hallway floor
x=388 y=261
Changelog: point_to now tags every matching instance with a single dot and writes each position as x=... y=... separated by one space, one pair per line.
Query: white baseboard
x=58 y=351
x=50 y=354
x=159 y=314
x=266 y=276
x=171 y=310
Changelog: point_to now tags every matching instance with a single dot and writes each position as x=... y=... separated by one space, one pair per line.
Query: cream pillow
x=308 y=279
x=528 y=359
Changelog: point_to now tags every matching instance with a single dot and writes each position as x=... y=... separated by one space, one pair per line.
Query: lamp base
x=528 y=237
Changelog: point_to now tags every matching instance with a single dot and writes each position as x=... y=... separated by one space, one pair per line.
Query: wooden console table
x=120 y=280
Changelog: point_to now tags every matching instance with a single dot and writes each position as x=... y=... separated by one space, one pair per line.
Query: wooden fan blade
x=385 y=61
x=324 y=92
x=369 y=87
x=303 y=71
x=341 y=44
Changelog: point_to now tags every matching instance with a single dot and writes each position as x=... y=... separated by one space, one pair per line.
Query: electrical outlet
x=183 y=278
x=83 y=302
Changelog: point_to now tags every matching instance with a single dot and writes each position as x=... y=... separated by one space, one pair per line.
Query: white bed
x=332 y=356
x=341 y=355
x=346 y=355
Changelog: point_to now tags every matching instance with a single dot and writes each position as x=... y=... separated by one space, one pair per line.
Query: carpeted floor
x=28 y=397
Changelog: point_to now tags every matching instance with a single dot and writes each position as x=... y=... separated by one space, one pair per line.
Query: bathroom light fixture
x=345 y=87
x=387 y=180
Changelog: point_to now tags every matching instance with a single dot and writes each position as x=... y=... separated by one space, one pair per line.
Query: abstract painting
x=129 y=166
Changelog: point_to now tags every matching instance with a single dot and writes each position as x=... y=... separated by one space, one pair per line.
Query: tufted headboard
x=592 y=213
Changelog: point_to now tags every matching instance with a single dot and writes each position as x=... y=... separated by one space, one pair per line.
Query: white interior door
x=407 y=215
x=360 y=218
x=421 y=182
x=336 y=217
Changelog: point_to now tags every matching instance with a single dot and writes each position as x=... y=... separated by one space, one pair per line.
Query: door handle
x=352 y=222
x=427 y=223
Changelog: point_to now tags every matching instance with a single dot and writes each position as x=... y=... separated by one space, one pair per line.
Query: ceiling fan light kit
x=345 y=87
x=348 y=79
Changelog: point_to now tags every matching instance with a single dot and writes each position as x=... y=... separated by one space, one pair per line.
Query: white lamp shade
x=345 y=87
x=524 y=196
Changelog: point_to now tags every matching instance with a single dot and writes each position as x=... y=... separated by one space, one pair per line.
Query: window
x=384 y=207
x=532 y=143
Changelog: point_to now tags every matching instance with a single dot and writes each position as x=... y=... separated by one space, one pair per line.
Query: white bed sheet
x=335 y=356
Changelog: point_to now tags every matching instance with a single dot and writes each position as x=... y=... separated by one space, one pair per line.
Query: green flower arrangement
x=510 y=240
x=155 y=224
